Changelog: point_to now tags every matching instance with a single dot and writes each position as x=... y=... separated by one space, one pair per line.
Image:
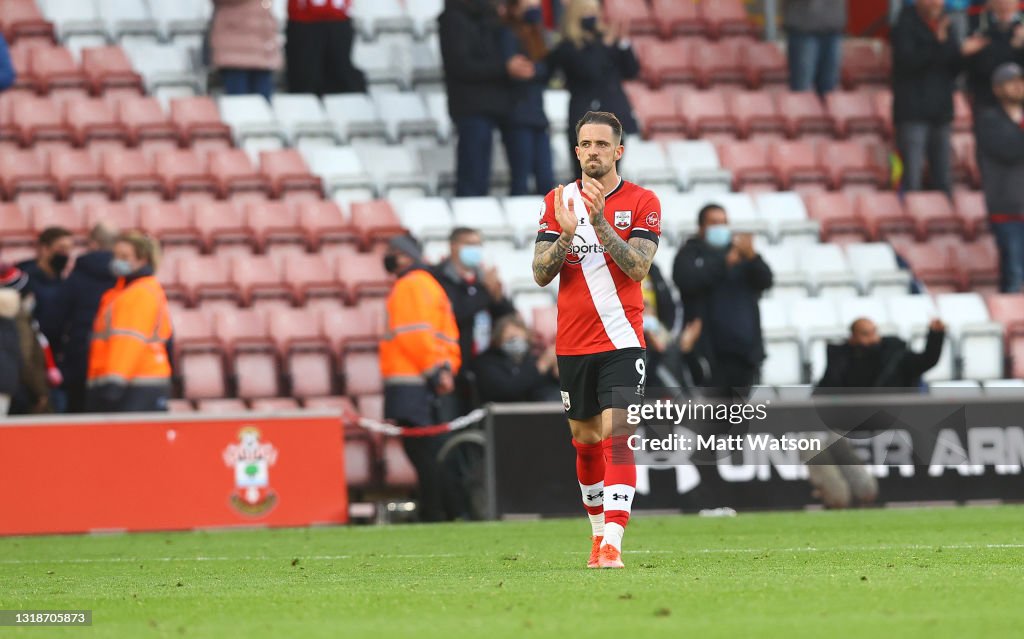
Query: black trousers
x=318 y=58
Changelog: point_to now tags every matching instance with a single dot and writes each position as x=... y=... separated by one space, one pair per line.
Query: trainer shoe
x=609 y=557
x=595 y=551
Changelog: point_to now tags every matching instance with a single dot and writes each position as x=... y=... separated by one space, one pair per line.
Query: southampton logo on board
x=251 y=460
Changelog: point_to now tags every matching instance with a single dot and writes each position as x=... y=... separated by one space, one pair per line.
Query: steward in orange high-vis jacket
x=129 y=367
x=419 y=356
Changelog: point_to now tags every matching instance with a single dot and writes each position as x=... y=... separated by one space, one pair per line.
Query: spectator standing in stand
x=244 y=46
x=318 y=48
x=814 y=41
x=999 y=39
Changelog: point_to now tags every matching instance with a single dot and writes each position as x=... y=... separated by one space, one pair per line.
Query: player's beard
x=595 y=170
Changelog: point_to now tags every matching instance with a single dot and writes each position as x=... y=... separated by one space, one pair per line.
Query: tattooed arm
x=548 y=258
x=633 y=257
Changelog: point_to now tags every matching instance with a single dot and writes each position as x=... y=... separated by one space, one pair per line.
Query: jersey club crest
x=623 y=219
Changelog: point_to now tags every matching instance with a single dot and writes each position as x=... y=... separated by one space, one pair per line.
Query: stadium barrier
x=920 y=448
x=167 y=472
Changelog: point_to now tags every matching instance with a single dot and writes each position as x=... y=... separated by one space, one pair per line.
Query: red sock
x=620 y=486
x=590 y=471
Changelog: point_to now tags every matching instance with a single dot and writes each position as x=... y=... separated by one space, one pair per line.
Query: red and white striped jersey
x=600 y=308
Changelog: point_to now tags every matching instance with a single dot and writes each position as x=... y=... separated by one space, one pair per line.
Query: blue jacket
x=7 y=74
x=528 y=106
x=75 y=309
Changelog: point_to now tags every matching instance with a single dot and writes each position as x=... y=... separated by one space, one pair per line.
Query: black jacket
x=981 y=65
x=924 y=71
x=47 y=293
x=725 y=298
x=499 y=378
x=594 y=75
x=474 y=63
x=10 y=346
x=1000 y=150
x=527 y=95
x=76 y=308
x=467 y=301
x=890 y=365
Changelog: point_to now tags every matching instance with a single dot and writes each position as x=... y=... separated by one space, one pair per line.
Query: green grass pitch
x=946 y=572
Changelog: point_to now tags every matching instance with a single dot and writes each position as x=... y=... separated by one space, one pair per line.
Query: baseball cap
x=1005 y=72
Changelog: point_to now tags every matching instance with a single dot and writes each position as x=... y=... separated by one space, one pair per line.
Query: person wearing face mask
x=46 y=274
x=509 y=372
x=30 y=376
x=595 y=59
x=999 y=39
x=720 y=279
x=419 y=358
x=526 y=138
x=129 y=355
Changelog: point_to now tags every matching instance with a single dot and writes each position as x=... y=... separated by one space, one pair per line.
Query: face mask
x=471 y=256
x=533 y=15
x=589 y=23
x=120 y=268
x=58 y=262
x=391 y=263
x=516 y=348
x=718 y=235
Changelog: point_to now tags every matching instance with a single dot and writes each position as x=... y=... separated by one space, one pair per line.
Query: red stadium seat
x=221 y=223
x=343 y=405
x=130 y=171
x=634 y=14
x=76 y=171
x=145 y=119
x=325 y=221
x=371 y=406
x=169 y=222
x=183 y=170
x=310 y=374
x=678 y=18
x=234 y=171
x=57 y=214
x=965 y=160
x=355 y=328
x=180 y=406
x=726 y=17
x=749 y=163
x=198 y=118
x=16 y=225
x=39 y=120
x=287 y=171
x=376 y=220
x=109 y=68
x=853 y=112
x=206 y=277
x=93 y=119
x=242 y=330
x=297 y=329
x=850 y=162
x=963 y=119
x=932 y=263
x=274 y=404
x=221 y=406
x=24 y=171
x=979 y=263
x=657 y=112
x=311 y=276
x=764 y=63
x=360 y=462
x=194 y=332
x=970 y=207
x=121 y=216
x=362 y=373
x=259 y=276
x=398 y=471
x=54 y=68
x=256 y=375
x=755 y=112
x=720 y=62
x=21 y=19
x=362 y=275
x=202 y=376
x=882 y=100
x=932 y=214
x=705 y=112
x=796 y=163
x=1008 y=310
x=803 y=113
x=274 y=223
x=883 y=214
x=667 y=62
x=865 y=62
x=836 y=215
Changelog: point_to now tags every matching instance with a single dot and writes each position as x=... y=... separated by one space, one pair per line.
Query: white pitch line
x=682 y=551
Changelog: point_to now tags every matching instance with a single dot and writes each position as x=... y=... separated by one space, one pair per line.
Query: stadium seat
x=242 y=330
x=206 y=277
x=310 y=374
x=865 y=61
x=853 y=112
x=288 y=172
x=399 y=473
x=873 y=308
x=255 y=375
x=92 y=120
x=657 y=112
x=129 y=18
x=748 y=161
x=39 y=120
x=932 y=264
x=883 y=214
x=221 y=406
x=233 y=171
x=970 y=208
x=57 y=214
x=796 y=163
x=21 y=19
x=876 y=268
x=194 y=332
x=16 y=225
x=932 y=213
x=352 y=328
x=696 y=163
x=202 y=376
x=803 y=113
x=221 y=223
x=302 y=116
x=363 y=274
x=297 y=330
x=54 y=68
x=182 y=170
x=169 y=222
x=484 y=214
x=258 y=276
x=788 y=279
x=980 y=340
x=1007 y=309
x=177 y=406
x=979 y=263
x=965 y=161
x=647 y=159
x=764 y=63
x=678 y=18
x=166 y=68
x=130 y=170
x=556 y=108
x=635 y=15
x=426 y=218
x=718 y=63
x=787 y=216
x=836 y=215
x=145 y=119
x=405 y=115
x=755 y=112
x=249 y=116
x=76 y=171
x=783 y=363
x=354 y=115
x=666 y=62
x=705 y=112
x=274 y=405
x=339 y=168
x=394 y=168
x=197 y=118
x=311 y=276
x=882 y=100
x=274 y=223
x=828 y=270
x=850 y=162
x=963 y=119
x=727 y=17
x=816 y=320
x=362 y=374
x=108 y=69
x=325 y=221
x=24 y=171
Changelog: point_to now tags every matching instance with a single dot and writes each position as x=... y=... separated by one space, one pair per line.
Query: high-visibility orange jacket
x=130 y=335
x=421 y=336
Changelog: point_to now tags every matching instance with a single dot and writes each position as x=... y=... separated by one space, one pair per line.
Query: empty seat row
x=671 y=17
x=950 y=264
x=44 y=68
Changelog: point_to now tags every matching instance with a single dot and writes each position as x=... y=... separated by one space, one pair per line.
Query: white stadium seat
x=783 y=358
x=484 y=214
x=74 y=17
x=405 y=114
x=788 y=280
x=646 y=162
x=427 y=218
x=128 y=18
x=787 y=218
x=301 y=115
x=424 y=15
x=877 y=271
x=523 y=214
x=556 y=108
x=696 y=163
x=339 y=167
x=827 y=269
x=979 y=339
x=354 y=115
x=249 y=116
x=378 y=16
x=395 y=168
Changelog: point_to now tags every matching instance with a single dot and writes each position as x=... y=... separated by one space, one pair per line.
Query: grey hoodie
x=815 y=16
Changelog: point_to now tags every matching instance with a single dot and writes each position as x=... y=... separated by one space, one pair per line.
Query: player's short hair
x=51 y=234
x=460 y=232
x=702 y=217
x=601 y=117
